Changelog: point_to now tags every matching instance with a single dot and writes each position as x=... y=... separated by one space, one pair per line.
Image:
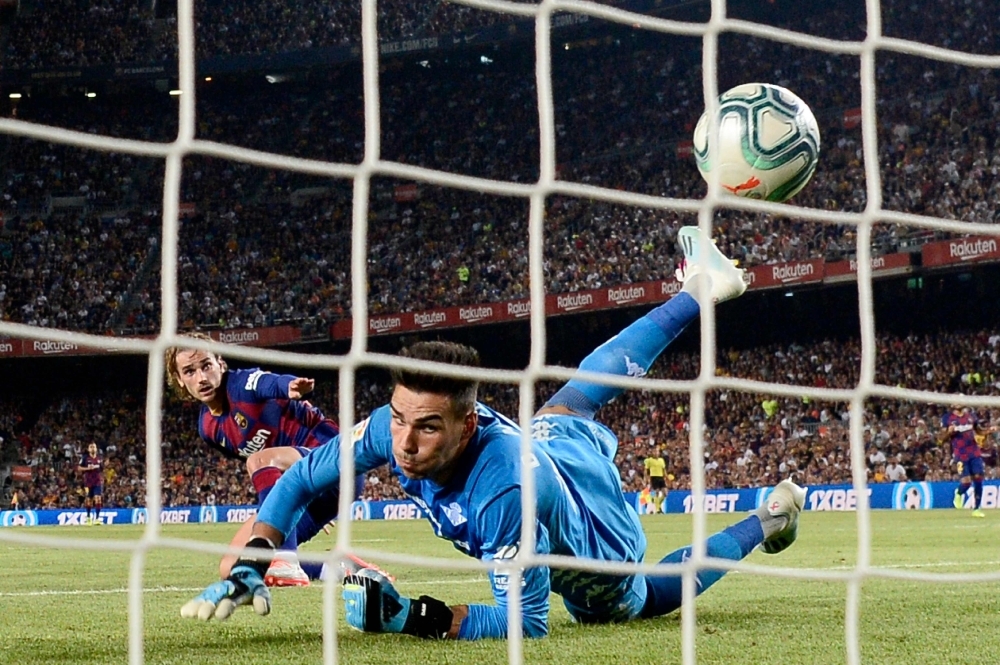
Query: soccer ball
x=768 y=142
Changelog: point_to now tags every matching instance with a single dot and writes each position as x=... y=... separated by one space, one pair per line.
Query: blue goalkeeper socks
x=663 y=594
x=629 y=353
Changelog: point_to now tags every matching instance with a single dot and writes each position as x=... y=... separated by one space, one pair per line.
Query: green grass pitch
x=66 y=606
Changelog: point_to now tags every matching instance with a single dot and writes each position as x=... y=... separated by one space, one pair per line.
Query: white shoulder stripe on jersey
x=253 y=379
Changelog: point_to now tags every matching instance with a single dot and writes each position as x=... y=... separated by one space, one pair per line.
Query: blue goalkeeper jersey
x=581 y=511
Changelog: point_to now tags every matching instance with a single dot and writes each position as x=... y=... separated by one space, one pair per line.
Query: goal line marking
x=467 y=580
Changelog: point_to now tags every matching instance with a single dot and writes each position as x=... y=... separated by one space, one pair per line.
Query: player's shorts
x=599 y=524
x=94 y=491
x=971 y=467
x=657 y=483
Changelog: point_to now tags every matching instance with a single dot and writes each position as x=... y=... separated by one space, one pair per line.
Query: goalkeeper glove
x=373 y=605
x=244 y=585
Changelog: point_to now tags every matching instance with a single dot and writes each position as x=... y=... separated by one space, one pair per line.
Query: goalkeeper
x=459 y=461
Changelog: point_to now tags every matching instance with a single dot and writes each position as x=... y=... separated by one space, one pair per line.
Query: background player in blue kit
x=960 y=428
x=92 y=467
x=460 y=462
x=261 y=417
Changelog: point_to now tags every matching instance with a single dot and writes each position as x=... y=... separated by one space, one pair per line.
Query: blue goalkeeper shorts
x=597 y=522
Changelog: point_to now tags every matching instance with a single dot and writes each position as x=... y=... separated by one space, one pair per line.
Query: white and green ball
x=768 y=142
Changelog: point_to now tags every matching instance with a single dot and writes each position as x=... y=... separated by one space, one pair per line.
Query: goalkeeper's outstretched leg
x=705 y=273
x=774 y=527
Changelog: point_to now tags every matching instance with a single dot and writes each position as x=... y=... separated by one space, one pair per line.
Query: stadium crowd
x=71 y=33
x=81 y=234
x=751 y=440
x=257 y=251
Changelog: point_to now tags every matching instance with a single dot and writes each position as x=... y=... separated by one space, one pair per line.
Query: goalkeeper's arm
x=307 y=479
x=372 y=604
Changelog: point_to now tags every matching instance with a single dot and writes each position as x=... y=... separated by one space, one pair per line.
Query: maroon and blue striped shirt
x=258 y=414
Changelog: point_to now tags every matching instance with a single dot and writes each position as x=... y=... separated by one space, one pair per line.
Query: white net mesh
x=372 y=165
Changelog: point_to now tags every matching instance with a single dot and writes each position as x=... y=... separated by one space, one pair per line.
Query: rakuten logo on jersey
x=428 y=319
x=573 y=301
x=475 y=314
x=966 y=250
x=384 y=324
x=626 y=294
x=257 y=443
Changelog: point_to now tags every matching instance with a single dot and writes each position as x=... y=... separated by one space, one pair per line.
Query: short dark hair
x=461 y=391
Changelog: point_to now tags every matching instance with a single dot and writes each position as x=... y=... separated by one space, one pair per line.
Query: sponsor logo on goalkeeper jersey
x=474 y=314
x=428 y=319
x=572 y=301
x=626 y=294
x=454 y=514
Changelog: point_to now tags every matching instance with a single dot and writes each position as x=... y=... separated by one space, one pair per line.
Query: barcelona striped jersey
x=258 y=414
